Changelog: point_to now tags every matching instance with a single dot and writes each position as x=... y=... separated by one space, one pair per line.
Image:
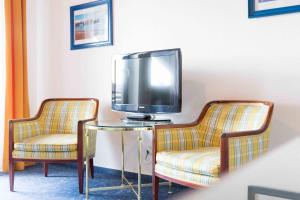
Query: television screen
x=147 y=82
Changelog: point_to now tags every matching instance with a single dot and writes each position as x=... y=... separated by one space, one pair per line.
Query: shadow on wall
x=285 y=124
x=193 y=98
x=106 y=114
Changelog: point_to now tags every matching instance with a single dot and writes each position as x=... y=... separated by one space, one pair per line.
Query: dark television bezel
x=150 y=109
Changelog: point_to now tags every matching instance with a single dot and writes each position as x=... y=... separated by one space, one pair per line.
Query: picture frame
x=262 y=8
x=254 y=191
x=91 y=24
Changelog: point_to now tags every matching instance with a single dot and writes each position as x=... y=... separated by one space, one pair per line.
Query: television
x=147 y=83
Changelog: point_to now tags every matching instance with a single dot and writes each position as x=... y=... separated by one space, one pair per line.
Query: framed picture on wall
x=261 y=8
x=263 y=193
x=91 y=24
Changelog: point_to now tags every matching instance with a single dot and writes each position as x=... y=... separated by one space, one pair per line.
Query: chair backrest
x=231 y=116
x=62 y=115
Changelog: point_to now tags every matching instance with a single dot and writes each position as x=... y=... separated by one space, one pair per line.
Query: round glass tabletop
x=119 y=126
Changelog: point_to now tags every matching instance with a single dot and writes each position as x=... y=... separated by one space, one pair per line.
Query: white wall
x=225 y=56
x=32 y=46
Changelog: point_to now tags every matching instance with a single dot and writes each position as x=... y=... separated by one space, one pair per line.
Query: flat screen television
x=147 y=82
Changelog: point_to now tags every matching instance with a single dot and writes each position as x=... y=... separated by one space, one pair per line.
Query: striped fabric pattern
x=247 y=148
x=63 y=116
x=27 y=129
x=204 y=161
x=54 y=134
x=66 y=155
x=185 y=176
x=192 y=154
x=50 y=142
x=178 y=139
x=219 y=118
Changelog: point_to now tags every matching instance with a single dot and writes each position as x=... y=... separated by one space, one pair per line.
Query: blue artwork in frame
x=262 y=8
x=258 y=191
x=91 y=24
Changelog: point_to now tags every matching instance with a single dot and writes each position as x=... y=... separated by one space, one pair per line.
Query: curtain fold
x=16 y=99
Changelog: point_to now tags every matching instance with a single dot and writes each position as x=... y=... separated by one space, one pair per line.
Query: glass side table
x=119 y=127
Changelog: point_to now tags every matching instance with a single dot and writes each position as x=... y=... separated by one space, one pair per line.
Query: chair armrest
x=82 y=122
x=80 y=137
x=233 y=154
x=23 y=120
x=170 y=126
x=238 y=148
x=20 y=129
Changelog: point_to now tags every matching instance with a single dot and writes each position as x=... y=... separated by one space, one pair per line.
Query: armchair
x=54 y=135
x=226 y=135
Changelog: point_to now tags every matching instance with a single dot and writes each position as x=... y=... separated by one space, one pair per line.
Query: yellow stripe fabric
x=247 y=148
x=63 y=116
x=67 y=155
x=192 y=154
x=49 y=142
x=23 y=130
x=219 y=118
x=43 y=139
x=188 y=177
x=204 y=161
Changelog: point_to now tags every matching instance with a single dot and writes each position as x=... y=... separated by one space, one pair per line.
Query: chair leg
x=92 y=167
x=11 y=175
x=80 y=176
x=46 y=169
x=155 y=187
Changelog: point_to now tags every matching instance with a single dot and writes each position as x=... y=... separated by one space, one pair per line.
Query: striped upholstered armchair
x=227 y=135
x=54 y=135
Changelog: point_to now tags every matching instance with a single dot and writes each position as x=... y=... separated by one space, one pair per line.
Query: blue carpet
x=62 y=183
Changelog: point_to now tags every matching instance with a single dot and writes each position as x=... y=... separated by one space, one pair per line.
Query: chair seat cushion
x=48 y=143
x=43 y=155
x=203 y=161
x=196 y=179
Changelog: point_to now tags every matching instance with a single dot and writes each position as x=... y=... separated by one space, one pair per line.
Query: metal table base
x=125 y=184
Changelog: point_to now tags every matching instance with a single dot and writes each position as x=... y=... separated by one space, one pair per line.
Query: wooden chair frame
x=80 y=135
x=224 y=165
